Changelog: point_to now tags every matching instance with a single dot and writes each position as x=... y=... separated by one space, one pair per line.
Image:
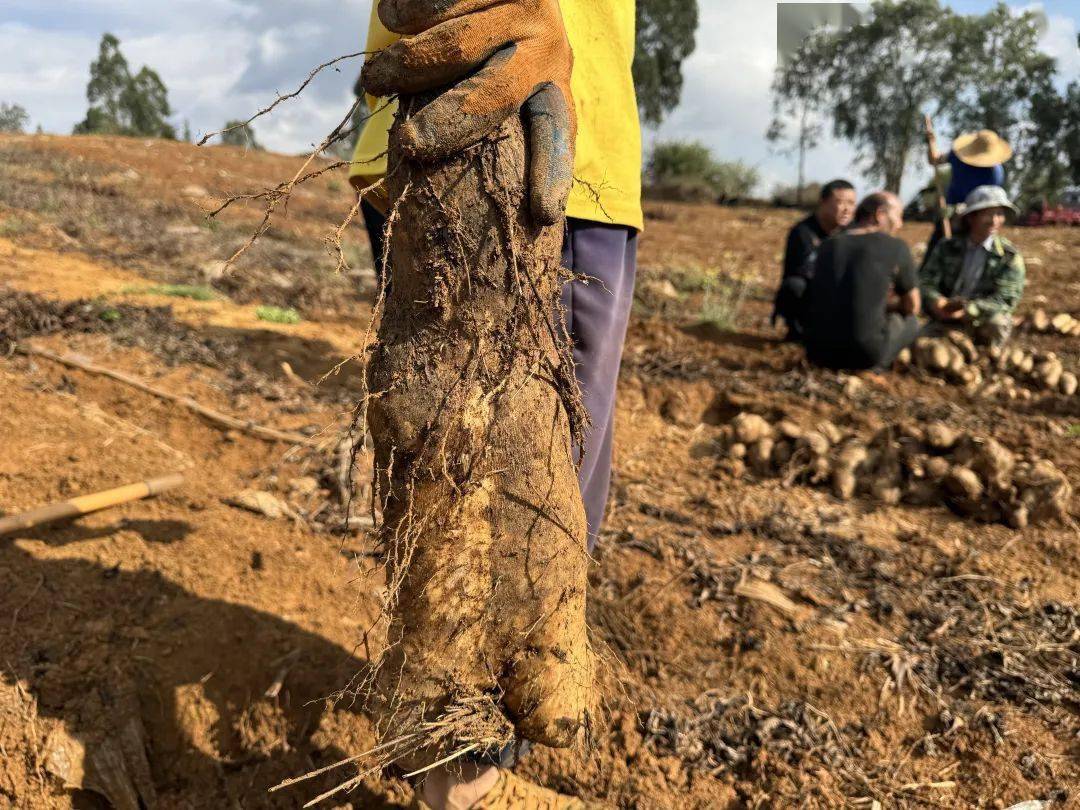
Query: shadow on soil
x=265 y=351
x=83 y=635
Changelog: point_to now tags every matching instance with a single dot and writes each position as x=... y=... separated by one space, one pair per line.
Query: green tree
x=13 y=118
x=109 y=75
x=1070 y=141
x=665 y=38
x=123 y=104
x=1043 y=162
x=999 y=68
x=145 y=101
x=876 y=79
x=797 y=96
x=688 y=171
x=238 y=133
x=1006 y=84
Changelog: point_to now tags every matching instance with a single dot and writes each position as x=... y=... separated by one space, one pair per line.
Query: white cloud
x=1060 y=42
x=727 y=97
x=220 y=60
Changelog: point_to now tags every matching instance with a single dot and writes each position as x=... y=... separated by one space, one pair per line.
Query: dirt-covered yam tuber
x=964 y=483
x=759 y=457
x=750 y=428
x=815 y=443
x=937 y=467
x=965 y=345
x=472 y=407
x=1067 y=385
x=844 y=483
x=1040 y=321
x=820 y=469
x=932 y=354
x=830 y=432
x=1044 y=489
x=848 y=461
x=789 y=430
x=1049 y=372
x=1063 y=323
x=993 y=463
x=940 y=436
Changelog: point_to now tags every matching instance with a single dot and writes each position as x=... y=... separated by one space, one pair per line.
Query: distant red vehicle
x=1067 y=213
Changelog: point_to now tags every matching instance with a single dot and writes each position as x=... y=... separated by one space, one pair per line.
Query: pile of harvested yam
x=923 y=466
x=1009 y=372
x=1062 y=324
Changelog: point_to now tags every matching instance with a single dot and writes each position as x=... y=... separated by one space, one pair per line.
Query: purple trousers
x=597 y=311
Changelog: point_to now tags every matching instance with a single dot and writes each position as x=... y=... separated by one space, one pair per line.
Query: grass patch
x=691 y=278
x=110 y=315
x=196 y=292
x=278 y=314
x=13 y=226
x=723 y=298
x=1073 y=432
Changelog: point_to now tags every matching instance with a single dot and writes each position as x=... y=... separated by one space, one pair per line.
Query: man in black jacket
x=834 y=212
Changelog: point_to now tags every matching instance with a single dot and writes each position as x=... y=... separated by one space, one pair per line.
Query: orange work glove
x=495 y=57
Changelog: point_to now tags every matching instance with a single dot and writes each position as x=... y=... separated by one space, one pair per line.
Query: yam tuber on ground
x=472 y=405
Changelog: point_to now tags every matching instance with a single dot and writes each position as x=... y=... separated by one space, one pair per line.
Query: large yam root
x=472 y=406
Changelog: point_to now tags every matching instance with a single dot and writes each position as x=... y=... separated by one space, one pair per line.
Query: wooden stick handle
x=931 y=143
x=85 y=504
x=931 y=137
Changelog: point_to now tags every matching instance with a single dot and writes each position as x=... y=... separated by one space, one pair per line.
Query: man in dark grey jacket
x=834 y=212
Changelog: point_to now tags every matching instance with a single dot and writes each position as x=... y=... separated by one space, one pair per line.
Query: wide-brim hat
x=987 y=197
x=983 y=149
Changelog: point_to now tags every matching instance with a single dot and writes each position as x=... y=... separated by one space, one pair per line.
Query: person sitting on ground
x=862 y=303
x=976 y=159
x=834 y=212
x=974 y=281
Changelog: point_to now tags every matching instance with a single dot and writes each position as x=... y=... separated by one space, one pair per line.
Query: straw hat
x=986 y=197
x=983 y=149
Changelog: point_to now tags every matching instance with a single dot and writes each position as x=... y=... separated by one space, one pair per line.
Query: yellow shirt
x=608 y=157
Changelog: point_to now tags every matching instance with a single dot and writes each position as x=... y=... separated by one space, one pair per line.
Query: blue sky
x=226 y=58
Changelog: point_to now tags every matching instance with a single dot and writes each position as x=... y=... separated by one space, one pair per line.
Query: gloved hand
x=496 y=57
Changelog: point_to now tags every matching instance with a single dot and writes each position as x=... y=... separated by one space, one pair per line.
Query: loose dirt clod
x=261 y=503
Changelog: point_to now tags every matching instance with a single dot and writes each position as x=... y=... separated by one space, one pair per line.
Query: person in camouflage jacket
x=974 y=281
